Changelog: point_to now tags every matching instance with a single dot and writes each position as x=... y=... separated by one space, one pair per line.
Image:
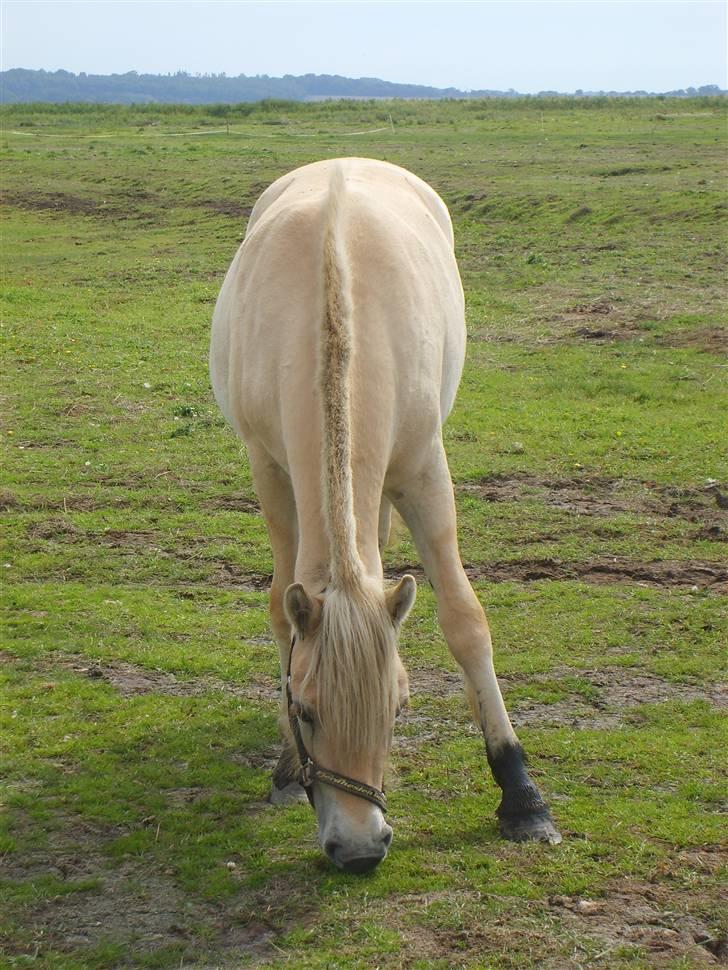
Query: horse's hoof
x=291 y=794
x=532 y=827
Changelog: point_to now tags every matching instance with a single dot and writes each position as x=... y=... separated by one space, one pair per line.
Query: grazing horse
x=338 y=342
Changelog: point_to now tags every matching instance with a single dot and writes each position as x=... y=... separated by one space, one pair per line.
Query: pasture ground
x=588 y=454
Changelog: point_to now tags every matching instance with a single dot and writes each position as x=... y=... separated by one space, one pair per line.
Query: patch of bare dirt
x=235 y=502
x=77 y=409
x=221 y=572
x=562 y=933
x=598 y=320
x=583 y=210
x=618 y=692
x=603 y=333
x=8 y=500
x=138 y=905
x=61 y=202
x=661 y=574
x=26 y=444
x=122 y=538
x=599 y=308
x=617 y=569
x=624 y=687
x=265 y=760
x=186 y=796
x=570 y=713
x=229 y=576
x=226 y=207
x=658 y=919
x=602 y=321
x=711 y=340
x=142 y=909
x=131 y=680
x=439 y=683
x=614 y=693
x=58 y=529
x=607 y=496
x=63 y=529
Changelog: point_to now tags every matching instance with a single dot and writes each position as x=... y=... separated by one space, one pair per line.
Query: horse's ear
x=401 y=598
x=303 y=611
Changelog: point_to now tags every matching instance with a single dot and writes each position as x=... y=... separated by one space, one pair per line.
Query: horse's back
x=407 y=319
x=393 y=187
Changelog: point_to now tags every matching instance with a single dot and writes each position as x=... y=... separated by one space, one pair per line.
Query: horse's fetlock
x=525 y=800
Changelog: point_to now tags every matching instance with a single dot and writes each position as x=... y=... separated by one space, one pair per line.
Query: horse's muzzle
x=357 y=863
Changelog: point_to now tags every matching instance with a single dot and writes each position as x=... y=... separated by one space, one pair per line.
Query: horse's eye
x=305 y=716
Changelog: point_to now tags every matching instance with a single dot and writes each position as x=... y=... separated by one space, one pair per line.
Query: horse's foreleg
x=427 y=506
x=277 y=503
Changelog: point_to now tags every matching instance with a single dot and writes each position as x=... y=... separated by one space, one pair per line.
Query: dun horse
x=338 y=343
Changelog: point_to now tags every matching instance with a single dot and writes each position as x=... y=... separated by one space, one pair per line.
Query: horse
x=338 y=343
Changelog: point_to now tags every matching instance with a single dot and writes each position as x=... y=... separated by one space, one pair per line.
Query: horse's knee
x=473 y=649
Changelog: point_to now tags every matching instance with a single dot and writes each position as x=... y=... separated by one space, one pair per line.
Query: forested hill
x=20 y=85
x=23 y=85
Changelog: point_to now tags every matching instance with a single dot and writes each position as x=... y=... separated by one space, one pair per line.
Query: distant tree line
x=22 y=86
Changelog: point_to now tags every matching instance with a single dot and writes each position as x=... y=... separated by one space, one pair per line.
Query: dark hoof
x=291 y=794
x=533 y=827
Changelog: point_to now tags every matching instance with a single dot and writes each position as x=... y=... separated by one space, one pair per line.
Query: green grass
x=588 y=452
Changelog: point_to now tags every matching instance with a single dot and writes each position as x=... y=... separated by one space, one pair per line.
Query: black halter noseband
x=310 y=772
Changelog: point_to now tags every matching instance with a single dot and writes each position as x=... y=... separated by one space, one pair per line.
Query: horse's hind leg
x=275 y=493
x=385 y=522
x=427 y=505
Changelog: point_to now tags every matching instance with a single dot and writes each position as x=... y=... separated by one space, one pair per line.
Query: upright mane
x=354 y=660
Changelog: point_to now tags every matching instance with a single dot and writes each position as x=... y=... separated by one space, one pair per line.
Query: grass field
x=588 y=451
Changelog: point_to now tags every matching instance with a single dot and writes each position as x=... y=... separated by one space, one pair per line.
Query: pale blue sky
x=531 y=45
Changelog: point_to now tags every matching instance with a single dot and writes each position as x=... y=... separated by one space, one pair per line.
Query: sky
x=527 y=45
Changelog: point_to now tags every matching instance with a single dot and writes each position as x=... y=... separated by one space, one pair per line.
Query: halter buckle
x=306 y=768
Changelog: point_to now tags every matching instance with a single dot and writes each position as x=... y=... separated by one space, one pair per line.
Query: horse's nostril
x=331 y=847
x=387 y=839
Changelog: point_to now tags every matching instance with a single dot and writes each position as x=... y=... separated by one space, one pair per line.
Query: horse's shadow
x=158 y=837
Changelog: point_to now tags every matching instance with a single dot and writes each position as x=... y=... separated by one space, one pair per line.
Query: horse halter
x=310 y=772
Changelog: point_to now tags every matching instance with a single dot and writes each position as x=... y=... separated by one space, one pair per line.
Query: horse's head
x=346 y=685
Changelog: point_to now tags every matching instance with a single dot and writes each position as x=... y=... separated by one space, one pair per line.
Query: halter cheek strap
x=310 y=772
